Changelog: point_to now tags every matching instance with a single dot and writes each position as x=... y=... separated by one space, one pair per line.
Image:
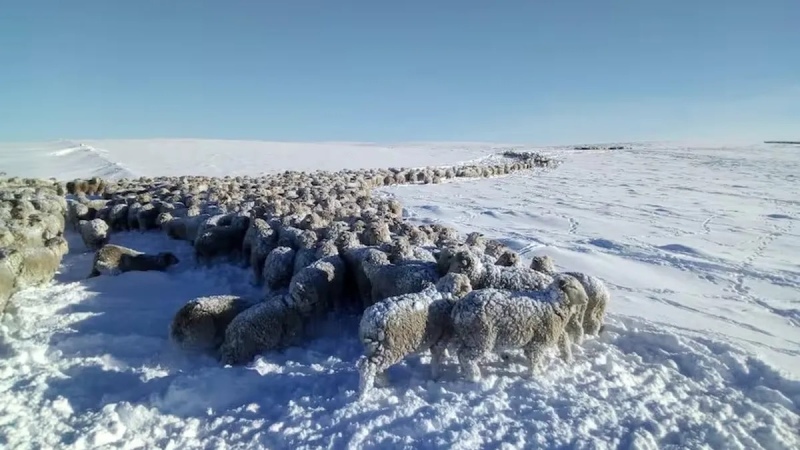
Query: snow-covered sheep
x=94 y=233
x=29 y=266
x=278 y=268
x=263 y=240
x=483 y=275
x=221 y=240
x=146 y=216
x=447 y=252
x=185 y=228
x=201 y=323
x=476 y=240
x=509 y=258
x=269 y=325
x=494 y=248
x=544 y=264
x=118 y=217
x=414 y=235
x=76 y=212
x=319 y=287
x=133 y=215
x=114 y=260
x=376 y=233
x=390 y=280
x=489 y=320
x=589 y=320
x=412 y=323
x=306 y=250
x=401 y=250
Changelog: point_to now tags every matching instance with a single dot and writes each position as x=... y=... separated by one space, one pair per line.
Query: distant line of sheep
x=320 y=242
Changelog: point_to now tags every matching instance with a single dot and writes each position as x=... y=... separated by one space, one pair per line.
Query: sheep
x=412 y=323
x=199 y=325
x=94 y=233
x=357 y=284
x=306 y=250
x=543 y=264
x=508 y=258
x=146 y=216
x=114 y=260
x=221 y=240
x=185 y=228
x=483 y=275
x=494 y=248
x=76 y=212
x=270 y=325
x=390 y=280
x=256 y=224
x=319 y=286
x=263 y=240
x=376 y=233
x=29 y=266
x=278 y=268
x=401 y=250
x=588 y=321
x=118 y=217
x=488 y=320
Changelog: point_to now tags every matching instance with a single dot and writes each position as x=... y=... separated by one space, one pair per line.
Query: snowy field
x=700 y=246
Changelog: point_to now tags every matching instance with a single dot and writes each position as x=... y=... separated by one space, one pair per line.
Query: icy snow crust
x=701 y=349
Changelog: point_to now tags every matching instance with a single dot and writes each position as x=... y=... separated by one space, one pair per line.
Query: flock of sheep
x=321 y=242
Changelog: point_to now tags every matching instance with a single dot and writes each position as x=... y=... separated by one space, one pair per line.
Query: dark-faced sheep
x=114 y=260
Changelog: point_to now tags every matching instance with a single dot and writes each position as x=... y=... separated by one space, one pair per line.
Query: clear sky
x=526 y=71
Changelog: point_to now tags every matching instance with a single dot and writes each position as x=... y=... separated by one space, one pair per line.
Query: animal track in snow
x=740 y=277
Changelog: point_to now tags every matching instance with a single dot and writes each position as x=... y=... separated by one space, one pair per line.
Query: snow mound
x=64 y=160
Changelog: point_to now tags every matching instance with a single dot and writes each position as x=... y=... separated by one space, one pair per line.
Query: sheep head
x=455 y=284
x=573 y=290
x=543 y=264
x=467 y=263
x=166 y=259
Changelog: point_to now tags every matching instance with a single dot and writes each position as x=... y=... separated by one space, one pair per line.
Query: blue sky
x=524 y=71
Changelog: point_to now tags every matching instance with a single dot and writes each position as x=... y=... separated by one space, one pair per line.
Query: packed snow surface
x=699 y=246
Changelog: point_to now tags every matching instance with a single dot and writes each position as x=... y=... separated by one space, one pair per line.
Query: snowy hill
x=699 y=245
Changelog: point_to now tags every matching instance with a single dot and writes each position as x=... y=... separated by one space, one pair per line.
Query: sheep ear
x=563 y=283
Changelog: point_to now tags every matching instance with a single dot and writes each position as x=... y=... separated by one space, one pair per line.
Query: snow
x=698 y=245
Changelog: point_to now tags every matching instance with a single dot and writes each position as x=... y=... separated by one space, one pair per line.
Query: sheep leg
x=593 y=323
x=381 y=378
x=365 y=383
x=437 y=356
x=575 y=327
x=565 y=346
x=371 y=372
x=468 y=360
x=534 y=353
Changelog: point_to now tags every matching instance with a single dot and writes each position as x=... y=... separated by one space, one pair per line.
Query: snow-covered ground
x=702 y=349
